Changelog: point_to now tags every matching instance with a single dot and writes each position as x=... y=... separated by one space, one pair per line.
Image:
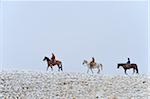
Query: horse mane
x=47 y=58
x=121 y=63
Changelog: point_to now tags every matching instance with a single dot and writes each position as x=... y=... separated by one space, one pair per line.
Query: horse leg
x=61 y=68
x=98 y=70
x=47 y=68
x=133 y=71
x=91 y=70
x=88 y=70
x=125 y=71
x=51 y=68
x=137 y=70
x=58 y=68
x=101 y=67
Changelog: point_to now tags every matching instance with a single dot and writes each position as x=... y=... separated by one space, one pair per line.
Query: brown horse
x=51 y=64
x=128 y=66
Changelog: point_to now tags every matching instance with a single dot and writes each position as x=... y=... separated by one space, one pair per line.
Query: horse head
x=46 y=58
x=85 y=62
x=118 y=65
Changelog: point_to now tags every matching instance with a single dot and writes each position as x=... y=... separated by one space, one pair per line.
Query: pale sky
x=110 y=31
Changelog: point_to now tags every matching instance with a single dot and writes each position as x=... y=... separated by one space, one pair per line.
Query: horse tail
x=101 y=66
x=136 y=69
x=61 y=66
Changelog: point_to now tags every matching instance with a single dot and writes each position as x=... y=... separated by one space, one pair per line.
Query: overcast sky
x=109 y=31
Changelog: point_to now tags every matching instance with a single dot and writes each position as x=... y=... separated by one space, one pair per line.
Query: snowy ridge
x=36 y=85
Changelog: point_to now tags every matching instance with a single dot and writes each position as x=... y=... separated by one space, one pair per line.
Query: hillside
x=35 y=85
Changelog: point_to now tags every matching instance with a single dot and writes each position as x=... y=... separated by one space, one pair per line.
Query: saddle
x=53 y=62
x=92 y=64
x=128 y=65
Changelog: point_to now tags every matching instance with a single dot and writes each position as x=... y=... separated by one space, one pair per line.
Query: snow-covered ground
x=36 y=85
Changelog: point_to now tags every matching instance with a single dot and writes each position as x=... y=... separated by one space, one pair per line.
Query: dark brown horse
x=51 y=64
x=128 y=66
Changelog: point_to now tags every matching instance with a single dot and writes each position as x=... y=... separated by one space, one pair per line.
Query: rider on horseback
x=92 y=63
x=128 y=62
x=53 y=58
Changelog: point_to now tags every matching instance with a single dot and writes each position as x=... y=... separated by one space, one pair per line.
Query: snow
x=37 y=85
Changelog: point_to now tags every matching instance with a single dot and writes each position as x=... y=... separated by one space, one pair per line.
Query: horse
x=129 y=66
x=51 y=64
x=96 y=66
